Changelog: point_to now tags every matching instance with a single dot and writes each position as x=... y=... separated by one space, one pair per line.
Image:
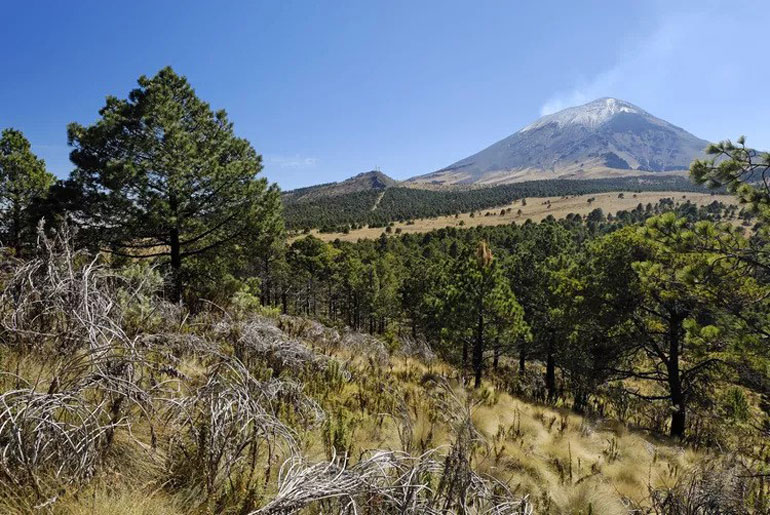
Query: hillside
x=123 y=402
x=375 y=209
x=534 y=209
x=267 y=414
x=388 y=412
x=363 y=182
x=604 y=138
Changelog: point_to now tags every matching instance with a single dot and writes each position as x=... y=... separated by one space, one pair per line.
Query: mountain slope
x=366 y=181
x=604 y=138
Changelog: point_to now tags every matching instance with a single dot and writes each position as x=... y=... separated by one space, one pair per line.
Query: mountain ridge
x=364 y=181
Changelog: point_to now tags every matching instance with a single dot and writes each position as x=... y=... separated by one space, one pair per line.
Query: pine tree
x=162 y=175
x=23 y=180
x=482 y=307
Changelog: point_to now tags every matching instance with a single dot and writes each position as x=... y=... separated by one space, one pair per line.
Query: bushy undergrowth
x=113 y=400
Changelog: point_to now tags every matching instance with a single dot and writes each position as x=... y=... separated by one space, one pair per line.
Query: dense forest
x=535 y=291
x=166 y=349
x=334 y=214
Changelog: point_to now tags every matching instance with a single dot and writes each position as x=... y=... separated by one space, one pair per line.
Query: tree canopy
x=163 y=175
x=23 y=179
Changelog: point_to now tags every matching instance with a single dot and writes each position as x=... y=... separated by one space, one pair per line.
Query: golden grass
x=566 y=464
x=575 y=463
x=537 y=209
x=121 y=501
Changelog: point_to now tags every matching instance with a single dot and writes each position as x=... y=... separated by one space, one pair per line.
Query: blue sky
x=325 y=90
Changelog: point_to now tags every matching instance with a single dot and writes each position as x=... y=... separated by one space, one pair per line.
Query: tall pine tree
x=162 y=175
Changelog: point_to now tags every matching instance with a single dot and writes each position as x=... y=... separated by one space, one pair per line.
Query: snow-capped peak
x=591 y=114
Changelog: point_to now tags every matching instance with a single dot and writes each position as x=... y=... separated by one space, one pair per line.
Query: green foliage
x=162 y=175
x=740 y=169
x=478 y=307
x=735 y=404
x=338 y=433
x=246 y=299
x=23 y=180
x=138 y=288
x=574 y=282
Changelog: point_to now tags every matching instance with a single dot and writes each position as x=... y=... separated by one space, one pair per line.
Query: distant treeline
x=398 y=204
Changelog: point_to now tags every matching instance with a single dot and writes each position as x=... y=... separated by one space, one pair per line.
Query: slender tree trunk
x=176 y=265
x=464 y=364
x=350 y=307
x=550 y=372
x=478 y=351
x=581 y=400
x=522 y=358
x=678 y=416
x=16 y=229
x=313 y=297
x=264 y=293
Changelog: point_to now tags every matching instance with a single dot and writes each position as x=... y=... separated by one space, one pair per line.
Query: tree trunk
x=313 y=298
x=464 y=363
x=550 y=374
x=581 y=400
x=522 y=358
x=349 y=307
x=16 y=230
x=176 y=265
x=478 y=351
x=678 y=416
x=264 y=291
x=678 y=420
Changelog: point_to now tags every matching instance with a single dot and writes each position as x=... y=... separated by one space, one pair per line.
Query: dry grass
x=200 y=420
x=537 y=209
x=557 y=455
x=124 y=502
x=565 y=464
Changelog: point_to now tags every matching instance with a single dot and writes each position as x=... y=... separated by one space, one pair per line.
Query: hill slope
x=377 y=208
x=604 y=138
x=535 y=209
x=366 y=181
